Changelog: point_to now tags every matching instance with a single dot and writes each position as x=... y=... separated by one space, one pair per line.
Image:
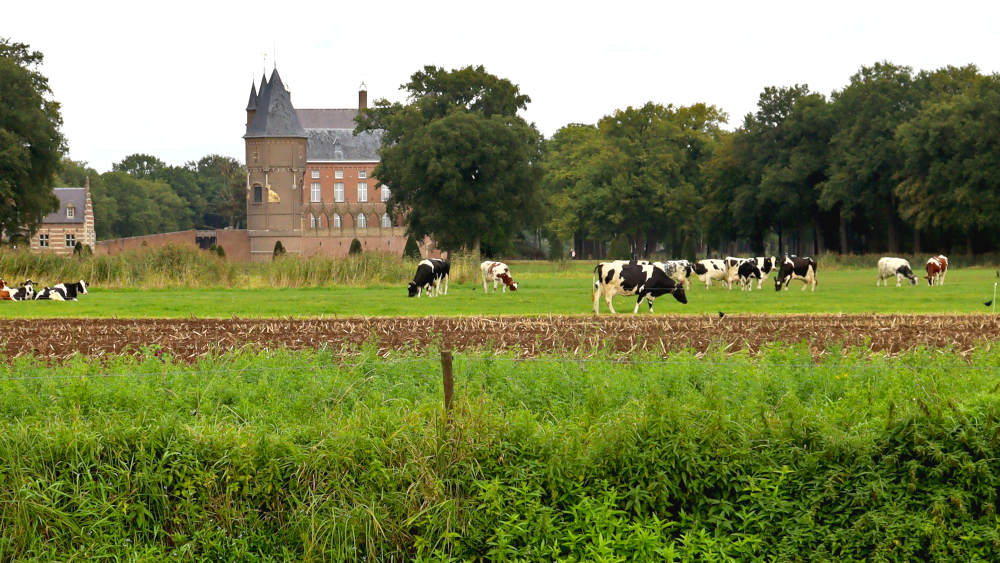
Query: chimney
x=362 y=97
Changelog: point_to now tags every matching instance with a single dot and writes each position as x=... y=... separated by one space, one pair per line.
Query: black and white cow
x=710 y=270
x=24 y=293
x=766 y=264
x=796 y=268
x=747 y=272
x=428 y=277
x=889 y=266
x=644 y=279
x=677 y=270
x=67 y=291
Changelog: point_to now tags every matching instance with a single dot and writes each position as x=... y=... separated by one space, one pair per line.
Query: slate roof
x=275 y=116
x=326 y=145
x=66 y=196
x=327 y=118
x=252 y=104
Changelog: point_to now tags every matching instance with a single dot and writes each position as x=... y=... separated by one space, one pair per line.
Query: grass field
x=545 y=288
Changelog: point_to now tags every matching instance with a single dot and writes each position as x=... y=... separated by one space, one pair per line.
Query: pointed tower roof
x=275 y=116
x=252 y=104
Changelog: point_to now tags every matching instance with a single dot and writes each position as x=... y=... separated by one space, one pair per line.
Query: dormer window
x=70 y=211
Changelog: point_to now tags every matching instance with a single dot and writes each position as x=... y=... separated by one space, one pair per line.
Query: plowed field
x=192 y=338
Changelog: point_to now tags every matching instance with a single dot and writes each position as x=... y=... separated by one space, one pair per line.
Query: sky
x=172 y=79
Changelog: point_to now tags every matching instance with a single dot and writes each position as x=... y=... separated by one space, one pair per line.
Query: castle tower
x=276 y=162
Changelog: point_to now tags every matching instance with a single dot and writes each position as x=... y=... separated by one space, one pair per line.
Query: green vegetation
x=310 y=456
x=182 y=283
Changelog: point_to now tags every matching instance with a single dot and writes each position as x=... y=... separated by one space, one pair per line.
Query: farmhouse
x=70 y=225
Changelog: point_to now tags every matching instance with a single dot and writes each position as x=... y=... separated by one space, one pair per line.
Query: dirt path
x=191 y=338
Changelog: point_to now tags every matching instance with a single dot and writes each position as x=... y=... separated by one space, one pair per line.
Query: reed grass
x=279 y=455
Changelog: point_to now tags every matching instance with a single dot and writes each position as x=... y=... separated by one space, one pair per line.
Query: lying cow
x=677 y=270
x=710 y=270
x=24 y=293
x=633 y=278
x=494 y=272
x=428 y=278
x=889 y=266
x=937 y=267
x=67 y=291
x=746 y=273
x=796 y=268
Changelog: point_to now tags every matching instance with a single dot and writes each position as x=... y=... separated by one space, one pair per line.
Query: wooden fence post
x=448 y=379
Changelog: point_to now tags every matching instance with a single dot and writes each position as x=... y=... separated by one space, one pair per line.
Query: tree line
x=895 y=161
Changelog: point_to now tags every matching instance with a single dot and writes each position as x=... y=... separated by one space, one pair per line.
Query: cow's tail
x=596 y=279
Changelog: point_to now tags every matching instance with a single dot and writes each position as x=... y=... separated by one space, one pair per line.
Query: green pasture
x=545 y=288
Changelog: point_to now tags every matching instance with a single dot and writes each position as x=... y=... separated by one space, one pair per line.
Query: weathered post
x=448 y=379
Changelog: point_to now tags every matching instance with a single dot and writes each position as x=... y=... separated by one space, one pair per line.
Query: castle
x=309 y=179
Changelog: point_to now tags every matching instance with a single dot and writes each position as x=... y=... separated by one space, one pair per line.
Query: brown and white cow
x=497 y=272
x=937 y=267
x=632 y=277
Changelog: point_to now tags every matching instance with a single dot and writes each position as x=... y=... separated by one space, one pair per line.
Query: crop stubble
x=189 y=339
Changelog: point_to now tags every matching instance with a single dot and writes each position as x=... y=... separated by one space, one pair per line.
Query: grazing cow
x=677 y=270
x=937 y=267
x=442 y=271
x=766 y=265
x=747 y=272
x=710 y=270
x=899 y=267
x=633 y=278
x=24 y=293
x=494 y=272
x=423 y=280
x=796 y=268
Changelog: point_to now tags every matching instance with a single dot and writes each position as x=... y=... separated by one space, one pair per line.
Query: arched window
x=386 y=221
x=362 y=221
x=336 y=221
x=312 y=221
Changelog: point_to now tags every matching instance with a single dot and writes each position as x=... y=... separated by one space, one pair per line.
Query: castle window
x=70 y=211
x=336 y=221
x=43 y=240
x=339 y=174
x=362 y=191
x=362 y=174
x=362 y=221
x=258 y=194
x=71 y=240
x=385 y=194
x=314 y=195
x=338 y=191
x=386 y=221
x=315 y=174
x=312 y=221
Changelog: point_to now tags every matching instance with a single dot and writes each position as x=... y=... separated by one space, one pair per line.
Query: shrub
x=217 y=250
x=82 y=250
x=411 y=250
x=279 y=249
x=355 y=247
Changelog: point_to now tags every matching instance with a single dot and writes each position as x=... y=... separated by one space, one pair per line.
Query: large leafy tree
x=126 y=206
x=222 y=180
x=950 y=180
x=459 y=160
x=864 y=157
x=31 y=145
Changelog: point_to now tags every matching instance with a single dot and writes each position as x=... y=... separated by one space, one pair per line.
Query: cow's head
x=688 y=269
x=679 y=294
x=3 y=284
x=83 y=287
x=413 y=289
x=907 y=273
x=778 y=282
x=507 y=280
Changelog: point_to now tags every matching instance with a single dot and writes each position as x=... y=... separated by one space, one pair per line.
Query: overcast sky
x=172 y=79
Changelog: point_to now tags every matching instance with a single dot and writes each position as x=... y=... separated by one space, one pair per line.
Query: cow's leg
x=486 y=287
x=637 y=301
x=607 y=297
x=898 y=280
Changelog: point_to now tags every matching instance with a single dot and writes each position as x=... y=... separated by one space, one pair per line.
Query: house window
x=362 y=191
x=362 y=221
x=258 y=194
x=338 y=191
x=362 y=174
x=315 y=174
x=385 y=194
x=71 y=240
x=314 y=195
x=336 y=221
x=339 y=174
x=386 y=221
x=43 y=240
x=70 y=211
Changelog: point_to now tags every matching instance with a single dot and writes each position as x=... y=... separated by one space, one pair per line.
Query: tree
x=223 y=186
x=125 y=206
x=458 y=158
x=31 y=145
x=139 y=166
